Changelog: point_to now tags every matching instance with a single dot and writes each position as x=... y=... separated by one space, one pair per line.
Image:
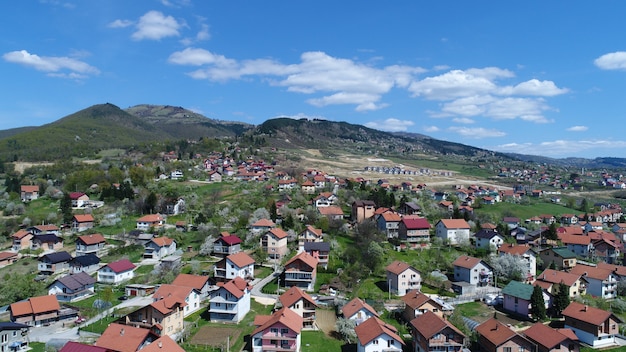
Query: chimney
x=122 y=332
x=585 y=308
x=160 y=344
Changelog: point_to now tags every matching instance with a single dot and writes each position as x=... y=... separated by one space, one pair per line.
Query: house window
x=274 y=331
x=507 y=349
x=521 y=349
x=284 y=331
x=375 y=342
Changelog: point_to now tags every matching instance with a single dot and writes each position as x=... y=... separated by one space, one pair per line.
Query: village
x=295 y=274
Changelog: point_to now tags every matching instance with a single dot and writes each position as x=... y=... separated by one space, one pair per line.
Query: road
x=257 y=289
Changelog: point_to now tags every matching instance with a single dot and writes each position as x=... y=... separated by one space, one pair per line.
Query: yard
x=215 y=337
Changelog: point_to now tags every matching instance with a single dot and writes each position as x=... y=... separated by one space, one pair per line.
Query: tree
x=537 y=304
x=273 y=211
x=345 y=328
x=509 y=266
x=66 y=208
x=561 y=298
x=552 y=233
x=207 y=246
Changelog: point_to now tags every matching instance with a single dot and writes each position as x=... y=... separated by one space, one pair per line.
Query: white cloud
x=154 y=25
x=390 y=124
x=301 y=115
x=203 y=34
x=431 y=129
x=476 y=132
x=463 y=120
x=577 y=128
x=612 y=61
x=120 y=24
x=451 y=85
x=534 y=87
x=55 y=66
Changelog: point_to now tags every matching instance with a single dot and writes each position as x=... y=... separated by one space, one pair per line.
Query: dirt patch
x=325 y=320
x=215 y=337
x=20 y=166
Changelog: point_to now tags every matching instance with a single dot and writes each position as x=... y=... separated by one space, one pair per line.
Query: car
x=123 y=298
x=80 y=320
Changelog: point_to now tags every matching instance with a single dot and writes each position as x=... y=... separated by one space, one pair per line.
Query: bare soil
x=214 y=336
x=325 y=320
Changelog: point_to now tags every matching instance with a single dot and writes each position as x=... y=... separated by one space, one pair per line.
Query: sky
x=534 y=77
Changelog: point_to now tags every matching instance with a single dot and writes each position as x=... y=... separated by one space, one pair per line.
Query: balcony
x=224 y=310
x=300 y=276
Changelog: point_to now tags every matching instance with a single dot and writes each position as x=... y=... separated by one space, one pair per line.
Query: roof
x=487 y=234
x=429 y=324
x=316 y=246
x=170 y=290
x=76 y=281
x=416 y=223
x=330 y=210
x=235 y=289
x=167 y=305
x=495 y=332
x=91 y=239
x=151 y=218
x=544 y=335
x=415 y=299
x=21 y=234
x=121 y=266
x=455 y=223
x=46 y=238
x=83 y=218
x=264 y=223
x=73 y=346
x=519 y=290
x=355 y=305
x=466 y=262
x=283 y=316
x=591 y=271
x=317 y=232
x=563 y=252
x=391 y=217
x=574 y=239
x=280 y=233
x=618 y=269
x=306 y=258
x=293 y=295
x=190 y=280
x=162 y=241
x=7 y=255
x=557 y=277
x=85 y=260
x=123 y=338
x=373 y=328
x=397 y=267
x=29 y=188
x=241 y=259
x=35 y=305
x=230 y=240
x=57 y=257
x=7 y=325
x=163 y=343
x=513 y=249
x=588 y=314
x=76 y=195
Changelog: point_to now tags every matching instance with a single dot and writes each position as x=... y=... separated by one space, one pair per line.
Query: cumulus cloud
x=154 y=25
x=476 y=132
x=54 y=66
x=431 y=129
x=612 y=61
x=534 y=87
x=120 y=24
x=577 y=128
x=390 y=124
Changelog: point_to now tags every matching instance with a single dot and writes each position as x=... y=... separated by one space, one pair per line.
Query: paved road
x=257 y=287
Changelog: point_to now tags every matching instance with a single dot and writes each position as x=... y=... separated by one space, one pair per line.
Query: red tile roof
x=556 y=277
x=230 y=240
x=121 y=266
x=455 y=223
x=279 y=233
x=92 y=239
x=373 y=328
x=429 y=324
x=306 y=258
x=264 y=223
x=591 y=315
x=415 y=299
x=495 y=332
x=123 y=338
x=466 y=262
x=544 y=335
x=397 y=267
x=83 y=218
x=20 y=234
x=151 y=218
x=513 y=249
x=241 y=259
x=355 y=305
x=35 y=305
x=293 y=295
x=28 y=188
x=163 y=343
x=283 y=316
x=190 y=280
x=162 y=241
x=416 y=223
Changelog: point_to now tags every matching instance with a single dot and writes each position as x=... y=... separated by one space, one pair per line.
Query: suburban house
x=90 y=244
x=416 y=303
x=277 y=332
x=376 y=335
x=235 y=265
x=73 y=346
x=401 y=278
x=524 y=252
x=88 y=263
x=606 y=250
x=308 y=187
x=516 y=298
x=139 y=290
x=362 y=209
x=332 y=212
x=559 y=257
x=7 y=258
x=550 y=278
x=262 y=225
x=13 y=336
x=358 y=310
x=198 y=282
x=28 y=193
x=301 y=303
x=226 y=245
x=319 y=251
x=489 y=240
x=388 y=223
x=163 y=316
x=214 y=176
x=579 y=244
x=431 y=333
x=35 y=311
x=414 y=231
x=274 y=242
x=47 y=242
x=147 y=222
x=54 y=263
x=125 y=338
x=159 y=248
x=472 y=270
x=82 y=222
x=310 y=234
x=601 y=282
x=186 y=294
x=44 y=229
x=453 y=231
x=116 y=272
x=593 y=326
x=79 y=199
x=301 y=271
x=230 y=302
x=494 y=336
x=72 y=287
x=548 y=339
x=22 y=239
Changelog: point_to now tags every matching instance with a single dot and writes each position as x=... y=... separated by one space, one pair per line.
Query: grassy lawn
x=262 y=271
x=37 y=346
x=372 y=288
x=616 y=349
x=499 y=210
x=313 y=341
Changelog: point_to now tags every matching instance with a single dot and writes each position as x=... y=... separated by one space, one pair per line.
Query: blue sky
x=535 y=77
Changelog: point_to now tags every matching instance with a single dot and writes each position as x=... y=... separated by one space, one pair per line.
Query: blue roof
x=86 y=260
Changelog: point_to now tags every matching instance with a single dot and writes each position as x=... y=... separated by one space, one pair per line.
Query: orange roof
x=391 y=217
x=557 y=277
x=513 y=249
x=591 y=315
x=234 y=289
x=151 y=218
x=398 y=267
x=331 y=210
x=284 y=316
x=123 y=338
x=495 y=332
x=83 y=217
x=544 y=335
x=416 y=299
x=92 y=239
x=163 y=343
x=455 y=223
x=7 y=255
x=293 y=295
x=35 y=305
x=429 y=324
x=21 y=234
x=373 y=328
x=591 y=271
x=306 y=258
x=315 y=231
x=168 y=304
x=264 y=223
x=278 y=232
x=355 y=305
x=574 y=239
x=617 y=269
x=162 y=241
x=241 y=259
x=466 y=262
x=166 y=290
x=190 y=280
x=28 y=188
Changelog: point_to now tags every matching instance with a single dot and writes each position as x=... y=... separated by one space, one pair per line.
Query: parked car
x=80 y=320
x=123 y=298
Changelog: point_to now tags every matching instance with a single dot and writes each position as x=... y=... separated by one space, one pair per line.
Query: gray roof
x=77 y=281
x=85 y=260
x=316 y=246
x=57 y=257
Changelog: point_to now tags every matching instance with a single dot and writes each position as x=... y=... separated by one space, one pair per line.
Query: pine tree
x=537 y=304
x=561 y=299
